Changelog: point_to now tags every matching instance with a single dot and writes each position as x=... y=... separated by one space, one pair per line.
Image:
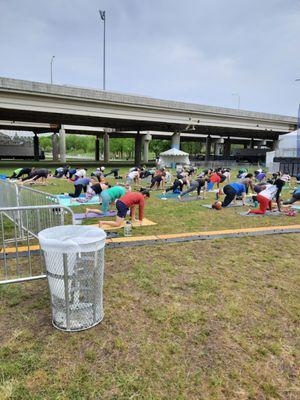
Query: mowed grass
x=204 y=320
x=173 y=216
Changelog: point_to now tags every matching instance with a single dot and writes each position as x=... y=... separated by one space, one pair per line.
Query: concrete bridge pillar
x=138 y=149
x=175 y=141
x=106 y=147
x=146 y=139
x=62 y=145
x=55 y=149
x=36 y=147
x=227 y=146
x=208 y=148
x=97 y=153
x=251 y=144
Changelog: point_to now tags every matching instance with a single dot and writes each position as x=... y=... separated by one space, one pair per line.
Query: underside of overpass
x=48 y=108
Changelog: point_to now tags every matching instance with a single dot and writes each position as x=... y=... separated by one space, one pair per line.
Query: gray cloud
x=196 y=50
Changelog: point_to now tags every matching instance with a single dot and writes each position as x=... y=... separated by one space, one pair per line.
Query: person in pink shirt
x=129 y=202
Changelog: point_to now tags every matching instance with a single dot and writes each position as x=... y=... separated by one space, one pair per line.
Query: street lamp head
x=102 y=15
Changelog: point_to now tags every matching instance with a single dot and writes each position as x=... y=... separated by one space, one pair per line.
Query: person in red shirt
x=129 y=202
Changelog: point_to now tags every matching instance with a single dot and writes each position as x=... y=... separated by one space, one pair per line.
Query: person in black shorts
x=41 y=173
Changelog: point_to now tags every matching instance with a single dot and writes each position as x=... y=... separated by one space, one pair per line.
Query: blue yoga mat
x=296 y=208
x=68 y=201
x=168 y=196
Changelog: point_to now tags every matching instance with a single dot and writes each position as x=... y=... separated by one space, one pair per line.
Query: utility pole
x=51 y=69
x=103 y=18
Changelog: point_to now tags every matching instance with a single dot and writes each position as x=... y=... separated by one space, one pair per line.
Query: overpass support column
x=62 y=145
x=146 y=138
x=36 y=147
x=208 y=148
x=227 y=146
x=176 y=141
x=55 y=149
x=106 y=147
x=274 y=145
x=97 y=154
x=138 y=149
x=251 y=144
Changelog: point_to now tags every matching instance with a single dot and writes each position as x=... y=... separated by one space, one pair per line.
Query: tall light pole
x=102 y=16
x=51 y=69
x=239 y=99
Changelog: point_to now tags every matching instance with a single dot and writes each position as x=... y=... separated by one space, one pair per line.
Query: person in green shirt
x=108 y=196
x=19 y=172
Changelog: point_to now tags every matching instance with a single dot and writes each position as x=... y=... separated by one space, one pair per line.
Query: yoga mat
x=296 y=208
x=71 y=202
x=185 y=199
x=95 y=215
x=268 y=213
x=238 y=204
x=167 y=196
x=146 y=222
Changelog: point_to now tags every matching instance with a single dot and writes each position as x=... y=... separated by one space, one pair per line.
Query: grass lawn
x=176 y=217
x=204 y=320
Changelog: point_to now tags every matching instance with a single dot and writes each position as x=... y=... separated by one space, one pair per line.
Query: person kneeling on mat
x=265 y=197
x=129 y=202
x=231 y=191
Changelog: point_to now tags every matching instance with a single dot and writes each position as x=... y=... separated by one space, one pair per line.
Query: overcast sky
x=198 y=51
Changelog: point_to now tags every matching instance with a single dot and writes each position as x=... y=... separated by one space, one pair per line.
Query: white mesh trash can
x=74 y=257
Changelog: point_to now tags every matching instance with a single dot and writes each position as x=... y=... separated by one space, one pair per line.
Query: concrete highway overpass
x=47 y=108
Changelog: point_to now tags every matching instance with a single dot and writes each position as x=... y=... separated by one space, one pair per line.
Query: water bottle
x=128 y=228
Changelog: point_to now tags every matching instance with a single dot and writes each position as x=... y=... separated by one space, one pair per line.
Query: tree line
x=119 y=148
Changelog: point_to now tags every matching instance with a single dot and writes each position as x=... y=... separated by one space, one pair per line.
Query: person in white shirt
x=80 y=173
x=265 y=197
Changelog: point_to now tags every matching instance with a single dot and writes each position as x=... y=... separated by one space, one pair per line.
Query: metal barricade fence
x=8 y=194
x=28 y=196
x=20 y=256
x=24 y=212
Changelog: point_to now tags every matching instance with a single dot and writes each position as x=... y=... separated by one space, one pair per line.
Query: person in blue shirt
x=231 y=191
x=295 y=197
x=79 y=185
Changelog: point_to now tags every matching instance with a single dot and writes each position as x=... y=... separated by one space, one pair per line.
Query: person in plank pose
x=231 y=191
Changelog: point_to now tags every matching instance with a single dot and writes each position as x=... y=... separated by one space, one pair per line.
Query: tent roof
x=174 y=152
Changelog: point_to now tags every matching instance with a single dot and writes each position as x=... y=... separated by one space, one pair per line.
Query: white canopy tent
x=172 y=157
x=287 y=147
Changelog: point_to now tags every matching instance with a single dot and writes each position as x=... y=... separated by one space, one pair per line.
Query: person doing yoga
x=38 y=174
x=267 y=194
x=216 y=177
x=178 y=185
x=129 y=202
x=231 y=191
x=295 y=197
x=196 y=184
x=110 y=195
x=19 y=172
x=93 y=190
x=80 y=185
